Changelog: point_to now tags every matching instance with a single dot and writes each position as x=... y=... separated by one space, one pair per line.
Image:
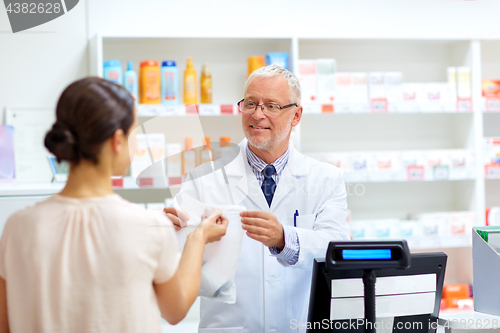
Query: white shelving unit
x=418 y=60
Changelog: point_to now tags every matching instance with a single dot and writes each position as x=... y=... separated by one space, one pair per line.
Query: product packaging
x=255 y=62
x=112 y=71
x=149 y=82
x=206 y=85
x=307 y=78
x=130 y=82
x=174 y=163
x=394 y=81
x=277 y=58
x=325 y=80
x=378 y=92
x=190 y=85
x=169 y=83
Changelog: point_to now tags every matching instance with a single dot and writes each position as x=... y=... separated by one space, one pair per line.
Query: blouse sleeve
x=170 y=255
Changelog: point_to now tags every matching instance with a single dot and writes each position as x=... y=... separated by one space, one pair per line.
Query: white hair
x=275 y=70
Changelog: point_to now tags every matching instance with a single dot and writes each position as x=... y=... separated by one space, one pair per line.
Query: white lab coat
x=268 y=294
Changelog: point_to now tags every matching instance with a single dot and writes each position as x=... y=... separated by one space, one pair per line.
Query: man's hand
x=263 y=227
x=178 y=217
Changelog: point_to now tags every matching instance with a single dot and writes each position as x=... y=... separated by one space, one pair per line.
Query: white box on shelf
x=438 y=164
x=385 y=166
x=341 y=160
x=307 y=77
x=359 y=96
x=462 y=164
x=464 y=83
x=438 y=98
x=325 y=80
x=413 y=165
x=435 y=227
x=362 y=229
x=174 y=163
x=411 y=231
x=452 y=82
x=150 y=149
x=411 y=97
x=378 y=92
x=343 y=92
x=387 y=229
x=359 y=167
x=461 y=223
x=394 y=82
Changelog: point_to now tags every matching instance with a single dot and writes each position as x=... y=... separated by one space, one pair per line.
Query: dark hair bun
x=61 y=142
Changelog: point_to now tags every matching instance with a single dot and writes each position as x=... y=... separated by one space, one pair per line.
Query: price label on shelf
x=492 y=104
x=228 y=109
x=464 y=105
x=327 y=108
x=415 y=172
x=312 y=108
x=209 y=110
x=379 y=105
x=149 y=110
x=441 y=172
x=492 y=171
x=192 y=109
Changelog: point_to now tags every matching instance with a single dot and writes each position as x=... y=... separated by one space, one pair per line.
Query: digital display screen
x=371 y=254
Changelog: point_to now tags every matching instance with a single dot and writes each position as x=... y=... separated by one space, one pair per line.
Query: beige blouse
x=86 y=265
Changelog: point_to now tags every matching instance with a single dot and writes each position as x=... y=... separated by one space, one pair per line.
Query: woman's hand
x=213 y=227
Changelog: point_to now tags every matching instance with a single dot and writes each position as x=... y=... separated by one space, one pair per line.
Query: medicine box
x=307 y=78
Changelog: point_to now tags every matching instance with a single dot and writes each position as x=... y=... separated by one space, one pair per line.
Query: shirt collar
x=258 y=164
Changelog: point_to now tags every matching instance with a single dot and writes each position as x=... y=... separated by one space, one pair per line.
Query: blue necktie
x=268 y=186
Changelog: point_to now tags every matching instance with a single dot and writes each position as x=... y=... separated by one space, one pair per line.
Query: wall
x=445 y=19
x=37 y=64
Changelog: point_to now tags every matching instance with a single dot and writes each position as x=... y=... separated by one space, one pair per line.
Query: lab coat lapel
x=287 y=181
x=243 y=182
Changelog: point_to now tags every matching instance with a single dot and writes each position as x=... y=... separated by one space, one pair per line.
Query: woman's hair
x=88 y=113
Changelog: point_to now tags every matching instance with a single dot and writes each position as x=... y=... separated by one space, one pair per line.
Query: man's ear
x=117 y=141
x=297 y=116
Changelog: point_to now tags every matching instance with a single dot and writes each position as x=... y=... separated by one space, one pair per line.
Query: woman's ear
x=118 y=140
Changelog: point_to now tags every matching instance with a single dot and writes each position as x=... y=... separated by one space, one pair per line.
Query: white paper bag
x=220 y=258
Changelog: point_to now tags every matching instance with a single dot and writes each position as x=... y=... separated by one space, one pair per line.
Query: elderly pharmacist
x=274 y=182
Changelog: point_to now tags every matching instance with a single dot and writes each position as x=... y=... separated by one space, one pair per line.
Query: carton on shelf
x=359 y=94
x=438 y=165
x=385 y=166
x=413 y=165
x=343 y=92
x=394 y=82
x=462 y=164
x=378 y=92
x=325 y=80
x=359 y=167
x=307 y=78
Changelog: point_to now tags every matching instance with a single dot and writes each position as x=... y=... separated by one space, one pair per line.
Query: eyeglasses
x=267 y=108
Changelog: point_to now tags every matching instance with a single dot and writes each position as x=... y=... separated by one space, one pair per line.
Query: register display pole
x=369 y=280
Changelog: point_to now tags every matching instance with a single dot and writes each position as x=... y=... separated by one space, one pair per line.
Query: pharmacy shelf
x=14 y=188
x=416 y=126
x=160 y=110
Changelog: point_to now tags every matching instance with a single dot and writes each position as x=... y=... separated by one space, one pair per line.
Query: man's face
x=263 y=131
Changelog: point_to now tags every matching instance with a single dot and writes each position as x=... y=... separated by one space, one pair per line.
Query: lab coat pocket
x=306 y=221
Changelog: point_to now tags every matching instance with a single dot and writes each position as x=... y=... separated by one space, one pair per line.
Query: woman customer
x=86 y=260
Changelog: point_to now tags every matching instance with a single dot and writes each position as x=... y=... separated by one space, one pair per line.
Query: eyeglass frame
x=262 y=106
